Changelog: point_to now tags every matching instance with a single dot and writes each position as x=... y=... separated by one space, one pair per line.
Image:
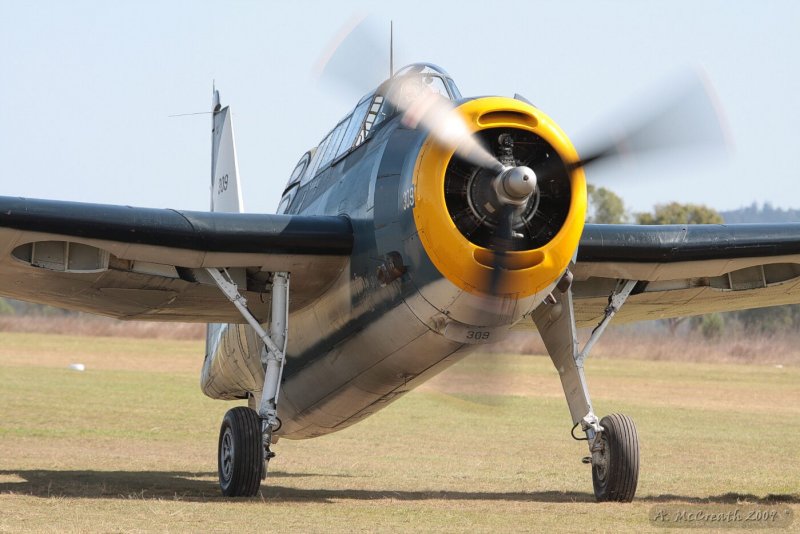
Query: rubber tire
x=622 y=472
x=246 y=458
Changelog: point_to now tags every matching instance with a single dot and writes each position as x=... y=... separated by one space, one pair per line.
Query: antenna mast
x=391 y=48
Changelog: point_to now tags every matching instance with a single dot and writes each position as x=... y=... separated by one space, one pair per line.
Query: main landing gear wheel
x=241 y=458
x=615 y=467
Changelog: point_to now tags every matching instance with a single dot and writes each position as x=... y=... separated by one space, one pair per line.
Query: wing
x=686 y=270
x=142 y=263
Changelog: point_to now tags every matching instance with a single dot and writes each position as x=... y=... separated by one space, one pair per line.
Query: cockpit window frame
x=302 y=165
x=351 y=135
x=368 y=124
x=294 y=181
x=455 y=92
x=337 y=134
x=316 y=160
x=388 y=109
x=367 y=117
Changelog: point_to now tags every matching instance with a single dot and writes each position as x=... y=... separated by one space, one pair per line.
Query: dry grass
x=96 y=326
x=660 y=345
x=619 y=342
x=130 y=445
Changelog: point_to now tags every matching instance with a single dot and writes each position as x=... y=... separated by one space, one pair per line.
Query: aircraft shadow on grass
x=202 y=486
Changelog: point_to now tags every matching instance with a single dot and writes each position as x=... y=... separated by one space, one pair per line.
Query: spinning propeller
x=686 y=119
x=507 y=187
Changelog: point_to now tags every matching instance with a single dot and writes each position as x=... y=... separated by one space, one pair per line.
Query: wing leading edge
x=144 y=263
x=686 y=269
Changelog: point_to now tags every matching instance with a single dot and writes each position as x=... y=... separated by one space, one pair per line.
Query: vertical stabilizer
x=226 y=194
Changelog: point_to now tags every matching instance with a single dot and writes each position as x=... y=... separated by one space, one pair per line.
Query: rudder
x=226 y=194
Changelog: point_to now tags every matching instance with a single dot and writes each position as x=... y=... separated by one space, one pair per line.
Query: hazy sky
x=86 y=88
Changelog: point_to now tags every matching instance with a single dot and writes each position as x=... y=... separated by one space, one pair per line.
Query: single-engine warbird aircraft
x=422 y=226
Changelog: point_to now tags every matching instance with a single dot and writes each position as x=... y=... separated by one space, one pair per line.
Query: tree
x=677 y=213
x=605 y=206
x=710 y=325
x=769 y=320
x=6 y=308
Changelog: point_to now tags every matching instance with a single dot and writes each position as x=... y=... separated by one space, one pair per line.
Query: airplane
x=422 y=227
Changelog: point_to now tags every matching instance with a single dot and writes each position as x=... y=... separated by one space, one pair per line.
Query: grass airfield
x=130 y=445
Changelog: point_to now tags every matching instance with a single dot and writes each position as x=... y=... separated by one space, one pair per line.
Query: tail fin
x=226 y=195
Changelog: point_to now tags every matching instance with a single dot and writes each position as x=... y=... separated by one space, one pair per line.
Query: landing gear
x=615 y=471
x=613 y=441
x=241 y=457
x=246 y=434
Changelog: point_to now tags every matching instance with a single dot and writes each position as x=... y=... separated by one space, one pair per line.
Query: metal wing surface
x=684 y=269
x=143 y=263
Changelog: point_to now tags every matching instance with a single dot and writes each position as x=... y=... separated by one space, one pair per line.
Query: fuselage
x=406 y=306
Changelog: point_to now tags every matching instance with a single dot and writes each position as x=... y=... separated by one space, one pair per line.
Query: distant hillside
x=764 y=214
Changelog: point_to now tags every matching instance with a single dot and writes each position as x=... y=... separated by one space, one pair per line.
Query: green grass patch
x=126 y=446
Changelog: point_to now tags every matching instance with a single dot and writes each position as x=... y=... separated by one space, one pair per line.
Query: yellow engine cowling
x=459 y=259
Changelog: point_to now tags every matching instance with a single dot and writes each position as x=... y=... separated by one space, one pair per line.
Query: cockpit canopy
x=371 y=111
x=411 y=80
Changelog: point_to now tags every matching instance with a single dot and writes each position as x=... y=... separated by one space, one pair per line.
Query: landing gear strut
x=246 y=434
x=613 y=441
